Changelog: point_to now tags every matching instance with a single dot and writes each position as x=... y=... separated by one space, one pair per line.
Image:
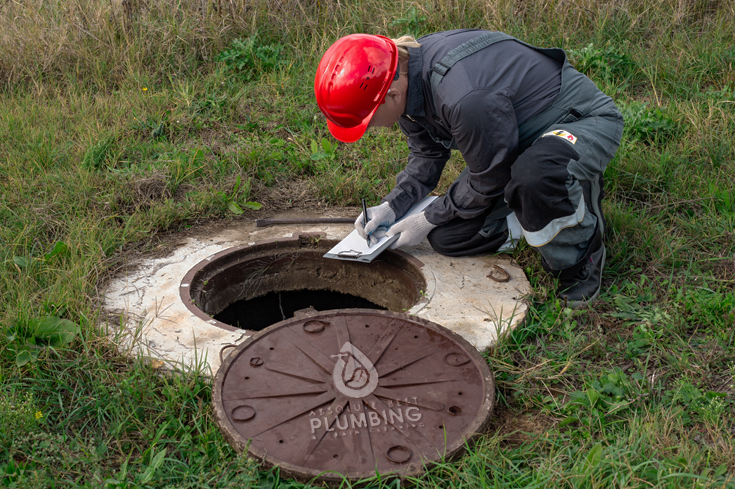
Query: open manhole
x=348 y=394
x=252 y=287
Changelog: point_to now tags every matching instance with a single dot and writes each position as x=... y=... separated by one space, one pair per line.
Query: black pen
x=365 y=221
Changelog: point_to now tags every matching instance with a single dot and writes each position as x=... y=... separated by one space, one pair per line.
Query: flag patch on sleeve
x=562 y=134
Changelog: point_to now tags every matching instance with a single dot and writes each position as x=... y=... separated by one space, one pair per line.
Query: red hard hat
x=351 y=81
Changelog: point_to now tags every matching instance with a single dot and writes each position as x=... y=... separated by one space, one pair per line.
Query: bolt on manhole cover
x=346 y=393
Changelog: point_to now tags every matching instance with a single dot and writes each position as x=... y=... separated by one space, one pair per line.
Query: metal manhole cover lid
x=346 y=393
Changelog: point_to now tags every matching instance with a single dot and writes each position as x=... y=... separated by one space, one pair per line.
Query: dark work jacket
x=482 y=100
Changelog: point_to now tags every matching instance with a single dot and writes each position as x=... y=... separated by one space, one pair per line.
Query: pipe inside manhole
x=252 y=287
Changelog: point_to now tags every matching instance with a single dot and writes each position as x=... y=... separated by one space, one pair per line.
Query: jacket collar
x=415 y=95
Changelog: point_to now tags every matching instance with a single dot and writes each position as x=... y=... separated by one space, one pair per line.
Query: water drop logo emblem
x=354 y=375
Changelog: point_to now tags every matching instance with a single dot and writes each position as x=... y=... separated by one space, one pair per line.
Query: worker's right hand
x=381 y=216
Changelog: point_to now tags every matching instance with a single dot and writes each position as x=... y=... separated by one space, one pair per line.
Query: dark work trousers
x=555 y=192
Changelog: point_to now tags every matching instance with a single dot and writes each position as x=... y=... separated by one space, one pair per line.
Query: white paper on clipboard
x=354 y=247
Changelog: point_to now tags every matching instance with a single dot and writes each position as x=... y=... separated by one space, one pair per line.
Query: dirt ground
x=292 y=199
x=516 y=430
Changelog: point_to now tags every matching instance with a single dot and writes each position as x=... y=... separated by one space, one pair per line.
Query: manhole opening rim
x=455 y=449
x=187 y=281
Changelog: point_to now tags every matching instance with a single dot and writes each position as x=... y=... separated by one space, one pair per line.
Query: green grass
x=119 y=124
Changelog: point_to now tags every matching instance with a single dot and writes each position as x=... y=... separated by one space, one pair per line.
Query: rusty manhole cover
x=351 y=392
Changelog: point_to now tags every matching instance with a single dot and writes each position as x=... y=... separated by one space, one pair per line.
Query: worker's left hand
x=413 y=230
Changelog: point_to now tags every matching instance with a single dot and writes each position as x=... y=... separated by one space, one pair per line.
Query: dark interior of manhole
x=259 y=313
x=254 y=287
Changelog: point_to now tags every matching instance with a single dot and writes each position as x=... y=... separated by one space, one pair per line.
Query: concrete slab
x=147 y=316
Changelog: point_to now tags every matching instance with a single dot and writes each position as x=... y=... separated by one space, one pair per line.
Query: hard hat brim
x=350 y=134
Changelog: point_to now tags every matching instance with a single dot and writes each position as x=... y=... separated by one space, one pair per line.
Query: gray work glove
x=381 y=216
x=413 y=230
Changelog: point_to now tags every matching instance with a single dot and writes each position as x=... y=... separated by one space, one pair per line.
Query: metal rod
x=261 y=223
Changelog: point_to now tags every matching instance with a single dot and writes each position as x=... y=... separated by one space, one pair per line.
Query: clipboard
x=354 y=247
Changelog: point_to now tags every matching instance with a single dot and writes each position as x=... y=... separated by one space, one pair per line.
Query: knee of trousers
x=448 y=242
x=440 y=240
x=540 y=174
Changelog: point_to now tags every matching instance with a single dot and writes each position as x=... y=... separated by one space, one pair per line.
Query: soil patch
x=291 y=194
x=518 y=429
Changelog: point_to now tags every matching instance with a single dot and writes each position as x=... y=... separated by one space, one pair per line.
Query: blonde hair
x=403 y=43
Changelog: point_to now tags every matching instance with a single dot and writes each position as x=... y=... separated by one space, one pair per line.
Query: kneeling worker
x=536 y=136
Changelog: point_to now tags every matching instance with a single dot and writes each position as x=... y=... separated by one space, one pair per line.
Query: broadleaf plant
x=29 y=340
